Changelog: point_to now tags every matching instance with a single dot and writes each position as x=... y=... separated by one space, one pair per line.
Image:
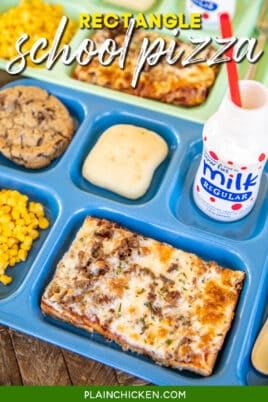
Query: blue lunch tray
x=166 y=212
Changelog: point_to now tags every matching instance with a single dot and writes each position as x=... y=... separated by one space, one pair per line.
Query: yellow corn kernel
x=20 y=236
x=12 y=252
x=28 y=240
x=36 y=208
x=25 y=247
x=5 y=209
x=4 y=257
x=3 y=239
x=20 y=222
x=34 y=220
x=22 y=255
x=13 y=261
x=4 y=219
x=34 y=234
x=3 y=266
x=4 y=248
x=27 y=243
x=5 y=279
x=43 y=223
x=7 y=232
x=27 y=218
x=11 y=241
x=15 y=213
x=10 y=225
x=11 y=202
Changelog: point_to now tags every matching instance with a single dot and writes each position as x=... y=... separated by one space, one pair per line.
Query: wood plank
x=5 y=77
x=9 y=370
x=127 y=379
x=40 y=363
x=85 y=371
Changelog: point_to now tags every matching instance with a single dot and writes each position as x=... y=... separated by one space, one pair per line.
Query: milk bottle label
x=224 y=190
x=206 y=5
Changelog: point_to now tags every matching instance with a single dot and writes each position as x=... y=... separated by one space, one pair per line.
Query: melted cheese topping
x=146 y=295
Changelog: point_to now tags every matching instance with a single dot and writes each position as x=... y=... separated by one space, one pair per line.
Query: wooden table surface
x=25 y=360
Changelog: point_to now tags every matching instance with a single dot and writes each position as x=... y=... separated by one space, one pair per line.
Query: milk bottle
x=235 y=149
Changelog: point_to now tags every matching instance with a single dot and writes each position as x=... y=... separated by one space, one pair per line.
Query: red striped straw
x=226 y=32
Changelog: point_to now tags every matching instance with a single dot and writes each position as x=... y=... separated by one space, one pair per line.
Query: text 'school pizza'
x=170 y=83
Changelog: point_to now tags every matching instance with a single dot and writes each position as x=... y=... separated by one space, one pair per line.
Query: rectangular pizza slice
x=169 y=83
x=146 y=295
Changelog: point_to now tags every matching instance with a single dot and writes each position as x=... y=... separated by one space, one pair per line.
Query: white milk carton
x=235 y=149
x=210 y=10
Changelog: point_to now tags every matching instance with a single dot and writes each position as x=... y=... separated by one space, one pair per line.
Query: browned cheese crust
x=173 y=84
x=145 y=295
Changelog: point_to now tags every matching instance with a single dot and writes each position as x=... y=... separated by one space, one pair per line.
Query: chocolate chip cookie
x=35 y=127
